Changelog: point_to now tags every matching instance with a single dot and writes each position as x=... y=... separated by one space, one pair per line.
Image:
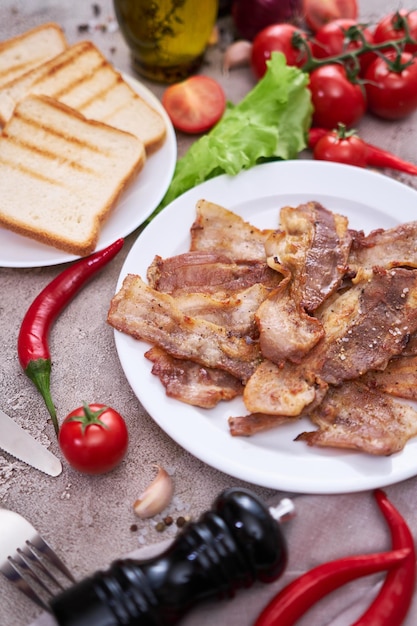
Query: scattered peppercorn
x=168 y=520
x=134 y=528
x=160 y=527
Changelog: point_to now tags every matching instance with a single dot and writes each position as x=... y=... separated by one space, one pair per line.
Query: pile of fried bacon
x=312 y=319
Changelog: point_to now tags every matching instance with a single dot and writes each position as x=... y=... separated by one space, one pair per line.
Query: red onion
x=251 y=16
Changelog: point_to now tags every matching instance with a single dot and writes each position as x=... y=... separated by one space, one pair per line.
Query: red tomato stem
x=353 y=56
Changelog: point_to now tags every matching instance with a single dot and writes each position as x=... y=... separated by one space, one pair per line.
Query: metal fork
x=28 y=561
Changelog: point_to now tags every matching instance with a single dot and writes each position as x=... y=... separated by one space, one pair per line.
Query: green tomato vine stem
x=350 y=59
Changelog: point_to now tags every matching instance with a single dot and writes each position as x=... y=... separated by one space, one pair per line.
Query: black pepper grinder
x=230 y=547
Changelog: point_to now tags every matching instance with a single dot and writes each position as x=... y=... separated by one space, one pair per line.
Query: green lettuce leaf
x=271 y=122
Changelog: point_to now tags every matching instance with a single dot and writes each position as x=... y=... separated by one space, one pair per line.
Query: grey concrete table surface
x=89 y=520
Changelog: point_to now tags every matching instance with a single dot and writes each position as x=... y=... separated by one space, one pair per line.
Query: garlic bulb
x=156 y=496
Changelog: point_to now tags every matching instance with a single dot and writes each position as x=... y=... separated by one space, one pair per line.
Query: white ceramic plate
x=272 y=459
x=138 y=202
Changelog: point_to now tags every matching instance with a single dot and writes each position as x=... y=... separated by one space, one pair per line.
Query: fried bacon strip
x=216 y=228
x=235 y=313
x=284 y=391
x=247 y=425
x=192 y=383
x=353 y=416
x=151 y=316
x=312 y=245
x=204 y=272
x=393 y=247
x=366 y=326
x=286 y=331
x=398 y=379
x=311 y=250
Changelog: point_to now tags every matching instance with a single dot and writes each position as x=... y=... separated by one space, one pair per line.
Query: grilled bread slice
x=21 y=54
x=61 y=174
x=82 y=78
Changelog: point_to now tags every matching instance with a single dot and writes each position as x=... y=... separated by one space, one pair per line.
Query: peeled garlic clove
x=237 y=55
x=156 y=496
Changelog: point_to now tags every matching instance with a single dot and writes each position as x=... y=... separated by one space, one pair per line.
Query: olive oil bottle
x=167 y=38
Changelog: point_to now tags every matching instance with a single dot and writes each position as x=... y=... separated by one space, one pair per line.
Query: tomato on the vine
x=391 y=27
x=93 y=438
x=278 y=38
x=391 y=85
x=335 y=98
x=320 y=12
x=195 y=104
x=331 y=40
x=341 y=146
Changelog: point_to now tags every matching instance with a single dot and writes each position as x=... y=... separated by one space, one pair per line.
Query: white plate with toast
x=132 y=209
x=271 y=459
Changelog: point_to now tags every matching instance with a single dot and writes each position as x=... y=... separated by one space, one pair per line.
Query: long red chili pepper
x=299 y=595
x=391 y=605
x=32 y=343
x=375 y=157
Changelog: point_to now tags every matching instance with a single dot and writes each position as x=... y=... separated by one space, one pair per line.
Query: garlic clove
x=237 y=55
x=156 y=496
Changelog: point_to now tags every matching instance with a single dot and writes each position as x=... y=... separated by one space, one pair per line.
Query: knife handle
x=231 y=546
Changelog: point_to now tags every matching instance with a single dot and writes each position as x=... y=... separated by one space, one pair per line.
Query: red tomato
x=392 y=27
x=392 y=94
x=335 y=99
x=195 y=104
x=331 y=40
x=277 y=38
x=342 y=147
x=93 y=438
x=319 y=12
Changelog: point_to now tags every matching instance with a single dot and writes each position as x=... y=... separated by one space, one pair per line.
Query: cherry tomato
x=277 y=38
x=93 y=438
x=331 y=40
x=392 y=94
x=195 y=104
x=335 y=99
x=392 y=27
x=341 y=146
x=319 y=12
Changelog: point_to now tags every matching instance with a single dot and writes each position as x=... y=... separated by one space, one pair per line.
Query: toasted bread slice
x=61 y=174
x=21 y=54
x=83 y=79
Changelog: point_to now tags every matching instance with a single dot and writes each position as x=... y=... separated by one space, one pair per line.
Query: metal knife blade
x=20 y=444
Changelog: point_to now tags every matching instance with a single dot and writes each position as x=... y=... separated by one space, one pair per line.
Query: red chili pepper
x=299 y=595
x=314 y=134
x=32 y=343
x=375 y=157
x=391 y=605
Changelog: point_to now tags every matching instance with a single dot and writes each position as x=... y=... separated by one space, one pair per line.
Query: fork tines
x=37 y=571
